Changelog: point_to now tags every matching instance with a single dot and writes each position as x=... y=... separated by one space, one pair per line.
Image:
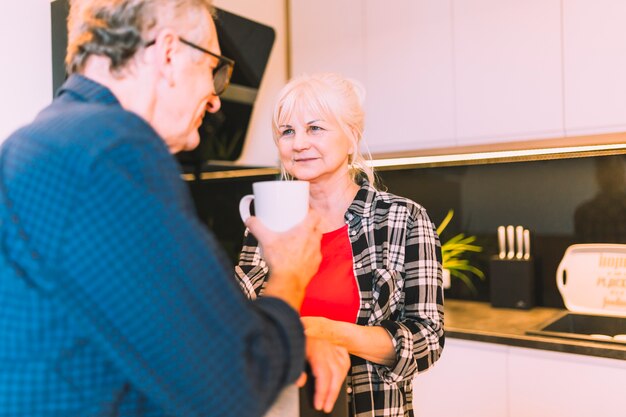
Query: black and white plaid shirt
x=397 y=263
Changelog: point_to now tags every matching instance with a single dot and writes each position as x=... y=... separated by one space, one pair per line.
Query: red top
x=333 y=292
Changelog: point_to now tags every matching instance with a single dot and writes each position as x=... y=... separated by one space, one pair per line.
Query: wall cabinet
x=327 y=35
x=409 y=77
x=594 y=54
x=441 y=73
x=401 y=50
x=484 y=379
x=507 y=70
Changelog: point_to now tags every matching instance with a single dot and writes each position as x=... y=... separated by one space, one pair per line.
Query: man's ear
x=165 y=45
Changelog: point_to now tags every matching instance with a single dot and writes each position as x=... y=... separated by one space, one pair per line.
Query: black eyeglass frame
x=222 y=62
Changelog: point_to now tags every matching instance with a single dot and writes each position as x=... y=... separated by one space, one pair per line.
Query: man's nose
x=214 y=104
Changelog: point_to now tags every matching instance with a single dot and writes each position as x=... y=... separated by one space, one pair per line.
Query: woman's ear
x=354 y=146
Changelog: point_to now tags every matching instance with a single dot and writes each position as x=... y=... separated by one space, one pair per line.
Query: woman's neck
x=331 y=199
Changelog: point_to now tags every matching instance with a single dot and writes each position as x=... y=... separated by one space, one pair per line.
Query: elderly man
x=115 y=300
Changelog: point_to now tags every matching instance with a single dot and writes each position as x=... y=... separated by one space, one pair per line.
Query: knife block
x=512 y=283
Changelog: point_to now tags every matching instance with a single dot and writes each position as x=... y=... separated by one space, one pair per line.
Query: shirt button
x=353 y=232
x=359 y=264
x=349 y=390
x=367 y=305
x=350 y=216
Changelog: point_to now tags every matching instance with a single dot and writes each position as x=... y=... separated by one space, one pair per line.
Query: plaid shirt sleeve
x=251 y=271
x=418 y=331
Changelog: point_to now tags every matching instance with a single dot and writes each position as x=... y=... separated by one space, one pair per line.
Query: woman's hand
x=320 y=328
x=372 y=343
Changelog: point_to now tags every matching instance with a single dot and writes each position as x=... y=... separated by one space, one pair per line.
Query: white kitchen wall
x=26 y=66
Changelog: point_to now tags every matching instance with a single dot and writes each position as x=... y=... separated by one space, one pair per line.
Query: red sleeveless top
x=333 y=292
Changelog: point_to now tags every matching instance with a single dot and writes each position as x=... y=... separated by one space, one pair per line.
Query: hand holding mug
x=293 y=253
x=279 y=204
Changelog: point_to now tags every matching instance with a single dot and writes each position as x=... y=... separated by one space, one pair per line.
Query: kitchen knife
x=526 y=244
x=510 y=242
x=519 y=242
x=501 y=242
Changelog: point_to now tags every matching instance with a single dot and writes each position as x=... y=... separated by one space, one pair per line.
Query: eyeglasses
x=221 y=73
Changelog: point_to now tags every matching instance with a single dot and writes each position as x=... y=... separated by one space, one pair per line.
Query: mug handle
x=244 y=206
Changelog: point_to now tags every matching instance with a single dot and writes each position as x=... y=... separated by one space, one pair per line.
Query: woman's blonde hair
x=333 y=97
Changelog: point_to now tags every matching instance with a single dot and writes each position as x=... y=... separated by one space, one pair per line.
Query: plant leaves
x=453 y=250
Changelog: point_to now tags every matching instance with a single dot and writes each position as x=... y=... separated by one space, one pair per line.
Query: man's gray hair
x=117 y=29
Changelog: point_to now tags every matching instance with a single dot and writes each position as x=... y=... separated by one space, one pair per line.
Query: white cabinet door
x=594 y=54
x=400 y=50
x=409 y=79
x=469 y=380
x=545 y=383
x=508 y=70
x=327 y=35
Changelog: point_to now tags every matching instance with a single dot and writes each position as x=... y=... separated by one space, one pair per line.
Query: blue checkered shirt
x=114 y=299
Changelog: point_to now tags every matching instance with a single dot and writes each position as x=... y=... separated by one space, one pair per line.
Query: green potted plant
x=454 y=252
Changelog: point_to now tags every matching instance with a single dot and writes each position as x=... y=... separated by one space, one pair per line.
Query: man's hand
x=293 y=257
x=330 y=365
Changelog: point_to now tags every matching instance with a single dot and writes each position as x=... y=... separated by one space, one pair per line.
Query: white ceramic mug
x=280 y=205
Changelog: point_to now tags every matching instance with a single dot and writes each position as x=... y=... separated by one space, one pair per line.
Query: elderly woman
x=378 y=290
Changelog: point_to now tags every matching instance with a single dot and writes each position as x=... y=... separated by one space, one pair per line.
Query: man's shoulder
x=80 y=121
x=82 y=128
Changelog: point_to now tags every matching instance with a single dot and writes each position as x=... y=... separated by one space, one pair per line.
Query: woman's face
x=313 y=147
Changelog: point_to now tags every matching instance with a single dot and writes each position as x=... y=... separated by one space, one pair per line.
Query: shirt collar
x=362 y=203
x=86 y=89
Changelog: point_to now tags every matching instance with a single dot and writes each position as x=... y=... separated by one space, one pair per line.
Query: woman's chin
x=303 y=175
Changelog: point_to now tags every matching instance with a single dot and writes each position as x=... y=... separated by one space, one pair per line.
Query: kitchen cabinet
x=545 y=383
x=440 y=73
x=594 y=55
x=327 y=35
x=485 y=379
x=409 y=77
x=508 y=76
x=444 y=73
x=400 y=50
x=469 y=380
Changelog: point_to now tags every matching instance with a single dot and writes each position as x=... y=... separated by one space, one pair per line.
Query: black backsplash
x=561 y=201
